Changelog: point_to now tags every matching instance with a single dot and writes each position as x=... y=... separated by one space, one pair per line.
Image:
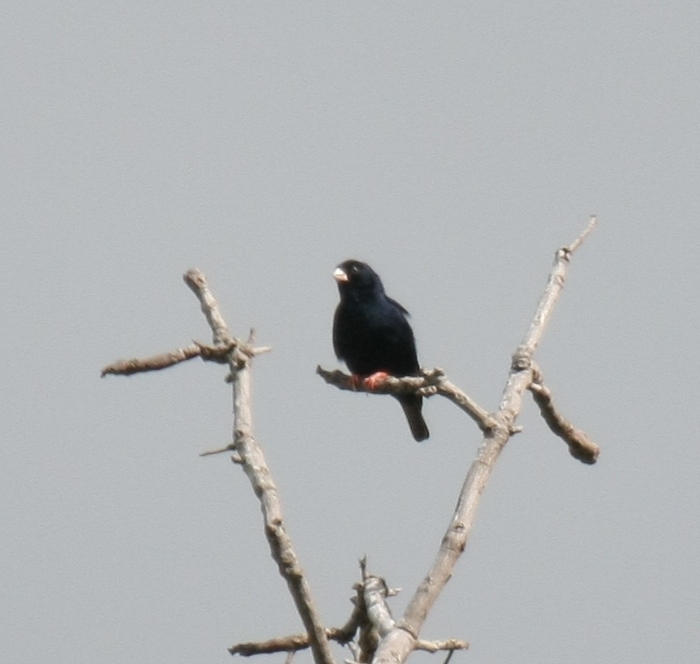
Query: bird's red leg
x=376 y=379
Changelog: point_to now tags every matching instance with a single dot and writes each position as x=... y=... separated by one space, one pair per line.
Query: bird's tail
x=412 y=405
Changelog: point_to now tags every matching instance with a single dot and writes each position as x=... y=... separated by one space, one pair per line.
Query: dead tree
x=371 y=633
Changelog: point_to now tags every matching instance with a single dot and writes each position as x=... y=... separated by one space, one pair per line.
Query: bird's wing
x=399 y=307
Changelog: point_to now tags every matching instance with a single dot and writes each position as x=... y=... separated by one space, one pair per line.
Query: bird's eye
x=355 y=269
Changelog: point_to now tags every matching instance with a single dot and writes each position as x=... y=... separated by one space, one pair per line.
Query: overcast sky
x=454 y=146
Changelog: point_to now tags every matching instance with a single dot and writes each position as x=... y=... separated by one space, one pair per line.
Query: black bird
x=372 y=335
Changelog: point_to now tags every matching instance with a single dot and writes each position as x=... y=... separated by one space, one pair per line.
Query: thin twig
x=197 y=282
x=579 y=240
x=396 y=646
x=218 y=450
x=448 y=389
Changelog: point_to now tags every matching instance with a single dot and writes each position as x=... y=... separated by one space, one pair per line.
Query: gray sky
x=454 y=146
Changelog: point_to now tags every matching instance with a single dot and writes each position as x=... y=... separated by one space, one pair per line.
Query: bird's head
x=357 y=277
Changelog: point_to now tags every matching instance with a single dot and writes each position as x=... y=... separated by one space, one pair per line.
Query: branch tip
x=581 y=447
x=398 y=644
x=592 y=222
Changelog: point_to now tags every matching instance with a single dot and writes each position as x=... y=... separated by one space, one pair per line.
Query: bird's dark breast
x=374 y=338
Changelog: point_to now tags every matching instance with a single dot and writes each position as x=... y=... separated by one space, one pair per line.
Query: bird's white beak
x=340 y=275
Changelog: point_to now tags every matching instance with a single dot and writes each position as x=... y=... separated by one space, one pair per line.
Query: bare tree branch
x=430 y=382
x=396 y=646
x=435 y=646
x=371 y=617
x=237 y=354
x=375 y=593
x=581 y=447
x=218 y=353
x=154 y=363
x=371 y=626
x=292 y=643
x=296 y=642
x=252 y=459
x=197 y=283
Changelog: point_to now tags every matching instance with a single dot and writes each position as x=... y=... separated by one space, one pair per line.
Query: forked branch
x=238 y=353
x=370 y=621
x=397 y=644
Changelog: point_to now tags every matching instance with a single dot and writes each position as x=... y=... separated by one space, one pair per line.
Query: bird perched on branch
x=373 y=337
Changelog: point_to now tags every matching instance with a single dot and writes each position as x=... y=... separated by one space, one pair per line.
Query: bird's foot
x=375 y=380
